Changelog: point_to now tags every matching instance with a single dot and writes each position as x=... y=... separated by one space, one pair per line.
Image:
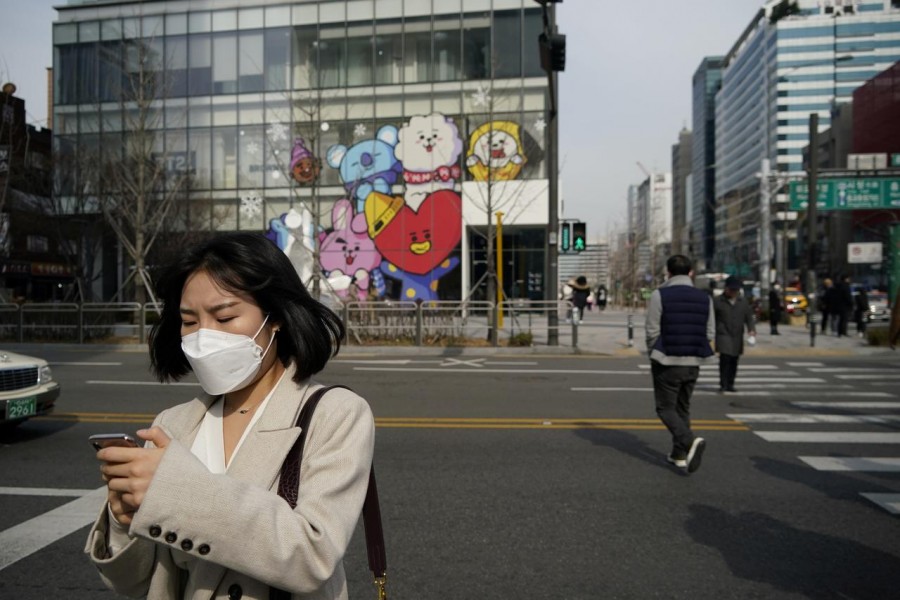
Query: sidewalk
x=595 y=336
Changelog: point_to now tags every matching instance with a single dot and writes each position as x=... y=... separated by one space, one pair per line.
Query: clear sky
x=625 y=94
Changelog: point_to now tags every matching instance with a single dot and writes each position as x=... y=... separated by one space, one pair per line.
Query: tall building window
x=507 y=55
x=359 y=54
x=417 y=50
x=224 y=63
x=531 y=53
x=447 y=48
x=477 y=46
x=250 y=62
x=388 y=51
x=304 y=54
x=176 y=66
x=277 y=58
x=332 y=57
x=199 y=65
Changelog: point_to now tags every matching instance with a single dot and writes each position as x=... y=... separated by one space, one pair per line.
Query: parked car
x=27 y=388
x=794 y=301
x=879 y=309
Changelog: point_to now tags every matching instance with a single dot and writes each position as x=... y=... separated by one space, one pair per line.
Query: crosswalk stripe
x=811 y=418
x=889 y=502
x=853 y=370
x=840 y=463
x=32 y=535
x=741 y=380
x=805 y=364
x=20 y=491
x=856 y=405
x=830 y=437
x=715 y=366
x=868 y=376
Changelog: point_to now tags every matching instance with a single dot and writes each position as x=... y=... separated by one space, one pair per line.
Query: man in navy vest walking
x=680 y=327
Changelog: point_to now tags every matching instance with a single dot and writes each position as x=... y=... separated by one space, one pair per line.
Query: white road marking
x=111 y=382
x=494 y=371
x=715 y=366
x=805 y=364
x=846 y=404
x=85 y=364
x=20 y=491
x=889 y=502
x=406 y=361
x=839 y=463
x=869 y=376
x=741 y=380
x=852 y=370
x=28 y=537
x=830 y=437
x=811 y=418
x=611 y=389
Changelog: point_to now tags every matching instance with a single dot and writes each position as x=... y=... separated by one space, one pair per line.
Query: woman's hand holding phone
x=128 y=471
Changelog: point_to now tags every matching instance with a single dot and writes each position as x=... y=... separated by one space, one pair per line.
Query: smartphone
x=105 y=440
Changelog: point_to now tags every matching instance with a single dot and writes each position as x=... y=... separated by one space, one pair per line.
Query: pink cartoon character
x=348 y=251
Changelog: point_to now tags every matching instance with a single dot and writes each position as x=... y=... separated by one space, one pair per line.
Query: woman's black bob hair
x=309 y=335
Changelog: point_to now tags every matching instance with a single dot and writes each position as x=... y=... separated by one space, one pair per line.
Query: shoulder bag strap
x=289 y=486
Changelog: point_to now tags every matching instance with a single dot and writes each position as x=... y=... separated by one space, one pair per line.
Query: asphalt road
x=537 y=477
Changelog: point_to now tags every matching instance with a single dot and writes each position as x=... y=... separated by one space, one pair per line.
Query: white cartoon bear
x=428 y=147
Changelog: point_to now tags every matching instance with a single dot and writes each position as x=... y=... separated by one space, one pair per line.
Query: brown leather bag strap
x=289 y=489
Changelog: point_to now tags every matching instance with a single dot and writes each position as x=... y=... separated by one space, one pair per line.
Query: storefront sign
x=864 y=253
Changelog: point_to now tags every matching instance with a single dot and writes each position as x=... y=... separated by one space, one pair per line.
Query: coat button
x=235 y=592
x=203 y=549
x=155 y=531
x=186 y=545
x=171 y=537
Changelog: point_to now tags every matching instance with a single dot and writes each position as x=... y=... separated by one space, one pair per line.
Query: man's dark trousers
x=672 y=389
x=728 y=365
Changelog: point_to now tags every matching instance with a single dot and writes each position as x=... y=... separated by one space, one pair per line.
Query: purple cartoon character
x=304 y=166
x=347 y=249
x=367 y=166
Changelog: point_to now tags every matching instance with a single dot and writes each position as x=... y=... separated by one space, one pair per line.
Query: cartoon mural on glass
x=367 y=166
x=304 y=166
x=429 y=148
x=495 y=152
x=347 y=250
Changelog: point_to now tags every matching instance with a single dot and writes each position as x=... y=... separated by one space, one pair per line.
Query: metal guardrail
x=383 y=322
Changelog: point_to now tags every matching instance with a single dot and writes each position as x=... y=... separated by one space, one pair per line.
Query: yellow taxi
x=794 y=301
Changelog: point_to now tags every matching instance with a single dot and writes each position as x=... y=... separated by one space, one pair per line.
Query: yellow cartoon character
x=495 y=148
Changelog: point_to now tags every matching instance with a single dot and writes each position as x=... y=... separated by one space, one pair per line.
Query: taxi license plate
x=21 y=407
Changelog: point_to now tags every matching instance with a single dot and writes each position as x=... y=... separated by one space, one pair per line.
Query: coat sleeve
x=250 y=529
x=652 y=325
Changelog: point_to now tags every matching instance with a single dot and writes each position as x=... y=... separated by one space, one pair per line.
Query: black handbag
x=289 y=485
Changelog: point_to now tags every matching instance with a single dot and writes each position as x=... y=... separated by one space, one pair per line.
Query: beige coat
x=236 y=528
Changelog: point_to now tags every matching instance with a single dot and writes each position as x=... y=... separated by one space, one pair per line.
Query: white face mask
x=224 y=362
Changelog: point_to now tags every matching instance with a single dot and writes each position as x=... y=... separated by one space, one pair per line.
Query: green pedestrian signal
x=565 y=237
x=579 y=236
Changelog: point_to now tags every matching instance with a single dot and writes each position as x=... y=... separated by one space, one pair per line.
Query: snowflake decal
x=540 y=125
x=253 y=149
x=481 y=96
x=251 y=205
x=359 y=131
x=277 y=131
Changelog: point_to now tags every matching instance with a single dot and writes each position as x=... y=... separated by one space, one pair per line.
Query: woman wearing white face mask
x=195 y=513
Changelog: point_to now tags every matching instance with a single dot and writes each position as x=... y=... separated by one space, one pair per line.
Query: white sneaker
x=695 y=454
x=678 y=462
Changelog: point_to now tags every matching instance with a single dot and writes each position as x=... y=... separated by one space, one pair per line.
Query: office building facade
x=403 y=125
x=706 y=81
x=778 y=72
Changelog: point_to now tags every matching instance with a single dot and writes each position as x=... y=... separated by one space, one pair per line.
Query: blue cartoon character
x=367 y=166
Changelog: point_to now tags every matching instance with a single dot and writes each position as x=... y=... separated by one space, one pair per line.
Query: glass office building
x=287 y=117
x=775 y=75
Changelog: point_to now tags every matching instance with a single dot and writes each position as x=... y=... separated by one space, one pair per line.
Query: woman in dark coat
x=580 y=292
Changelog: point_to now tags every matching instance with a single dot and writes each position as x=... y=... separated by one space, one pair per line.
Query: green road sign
x=895 y=160
x=848 y=194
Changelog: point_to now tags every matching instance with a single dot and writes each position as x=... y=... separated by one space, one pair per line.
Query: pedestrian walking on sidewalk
x=776 y=309
x=733 y=314
x=861 y=311
x=844 y=299
x=828 y=304
x=680 y=326
x=580 y=292
x=894 y=330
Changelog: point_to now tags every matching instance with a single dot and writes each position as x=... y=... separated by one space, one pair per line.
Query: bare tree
x=135 y=188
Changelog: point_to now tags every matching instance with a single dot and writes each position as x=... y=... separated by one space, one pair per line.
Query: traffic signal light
x=565 y=237
x=553 y=51
x=579 y=236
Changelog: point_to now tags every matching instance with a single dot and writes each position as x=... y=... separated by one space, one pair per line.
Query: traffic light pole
x=553 y=197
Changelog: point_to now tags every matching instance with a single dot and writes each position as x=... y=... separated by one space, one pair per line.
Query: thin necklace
x=244 y=411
